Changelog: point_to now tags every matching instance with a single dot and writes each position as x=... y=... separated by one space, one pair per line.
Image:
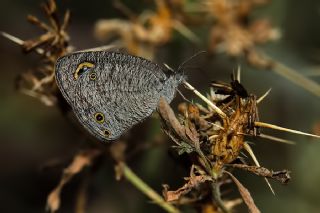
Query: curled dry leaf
x=281 y=176
x=193 y=182
x=245 y=194
x=80 y=161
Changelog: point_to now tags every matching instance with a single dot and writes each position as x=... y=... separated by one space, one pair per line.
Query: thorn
x=212 y=105
x=101 y=48
x=12 y=38
x=250 y=151
x=19 y=41
x=272 y=126
x=273 y=138
x=263 y=96
x=239 y=73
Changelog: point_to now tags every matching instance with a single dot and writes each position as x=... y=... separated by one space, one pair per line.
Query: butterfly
x=110 y=91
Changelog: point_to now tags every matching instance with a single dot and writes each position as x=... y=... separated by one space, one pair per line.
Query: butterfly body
x=110 y=92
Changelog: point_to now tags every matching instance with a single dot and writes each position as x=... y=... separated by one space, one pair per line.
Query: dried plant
x=214 y=139
x=52 y=44
x=143 y=34
x=213 y=136
x=234 y=33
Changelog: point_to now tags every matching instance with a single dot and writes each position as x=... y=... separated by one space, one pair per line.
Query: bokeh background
x=34 y=135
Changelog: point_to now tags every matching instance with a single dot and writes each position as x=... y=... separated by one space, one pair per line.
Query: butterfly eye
x=106 y=133
x=92 y=76
x=99 y=117
x=82 y=68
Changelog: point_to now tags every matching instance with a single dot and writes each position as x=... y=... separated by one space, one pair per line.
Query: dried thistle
x=143 y=33
x=234 y=33
x=214 y=136
x=52 y=44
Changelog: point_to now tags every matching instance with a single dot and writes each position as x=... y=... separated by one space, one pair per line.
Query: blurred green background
x=33 y=134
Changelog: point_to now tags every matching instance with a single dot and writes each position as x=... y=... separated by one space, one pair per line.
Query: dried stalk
x=294 y=76
x=145 y=189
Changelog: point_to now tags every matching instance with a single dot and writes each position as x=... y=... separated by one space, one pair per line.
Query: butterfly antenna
x=189 y=59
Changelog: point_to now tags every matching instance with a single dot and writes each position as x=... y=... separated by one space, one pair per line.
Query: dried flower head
x=143 y=33
x=235 y=34
x=52 y=44
x=214 y=136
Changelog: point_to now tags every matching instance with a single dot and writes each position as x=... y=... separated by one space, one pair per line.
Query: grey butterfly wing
x=119 y=113
x=125 y=90
x=65 y=68
x=67 y=65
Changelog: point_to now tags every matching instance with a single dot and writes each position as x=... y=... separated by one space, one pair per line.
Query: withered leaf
x=283 y=176
x=192 y=133
x=245 y=194
x=170 y=120
x=80 y=161
x=193 y=182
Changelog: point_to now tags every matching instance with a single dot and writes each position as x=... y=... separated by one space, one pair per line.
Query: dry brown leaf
x=193 y=182
x=282 y=176
x=245 y=194
x=80 y=161
x=192 y=133
x=170 y=120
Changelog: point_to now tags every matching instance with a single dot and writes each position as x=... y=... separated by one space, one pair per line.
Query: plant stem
x=144 y=188
x=294 y=76
x=217 y=197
